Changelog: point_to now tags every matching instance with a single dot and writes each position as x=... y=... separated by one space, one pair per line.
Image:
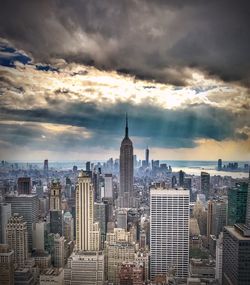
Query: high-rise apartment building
x=24 y=185
x=87 y=232
x=6 y=265
x=28 y=207
x=17 y=238
x=169 y=232
x=205 y=183
x=5 y=214
x=237 y=203
x=126 y=170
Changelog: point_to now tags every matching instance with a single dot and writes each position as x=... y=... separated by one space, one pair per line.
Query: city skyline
x=67 y=90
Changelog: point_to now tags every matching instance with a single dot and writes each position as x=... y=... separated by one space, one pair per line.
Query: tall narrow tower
x=248 y=204
x=55 y=195
x=87 y=232
x=126 y=169
x=147 y=156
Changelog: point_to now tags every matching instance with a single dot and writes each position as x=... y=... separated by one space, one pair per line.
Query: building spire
x=126 y=128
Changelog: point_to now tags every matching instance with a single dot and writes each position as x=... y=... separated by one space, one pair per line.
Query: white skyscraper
x=87 y=232
x=169 y=232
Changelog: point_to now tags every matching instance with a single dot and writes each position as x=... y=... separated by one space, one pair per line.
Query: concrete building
x=24 y=276
x=5 y=214
x=108 y=185
x=117 y=254
x=126 y=193
x=216 y=217
x=203 y=269
x=55 y=197
x=52 y=276
x=58 y=254
x=218 y=265
x=68 y=226
x=38 y=235
x=236 y=255
x=17 y=238
x=169 y=232
x=28 y=207
x=87 y=232
x=42 y=259
x=131 y=273
x=84 y=268
x=6 y=265
x=122 y=219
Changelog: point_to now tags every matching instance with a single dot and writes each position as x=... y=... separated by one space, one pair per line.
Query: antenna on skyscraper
x=126 y=128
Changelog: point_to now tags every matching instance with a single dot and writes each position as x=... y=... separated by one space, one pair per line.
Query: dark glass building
x=236 y=255
x=237 y=203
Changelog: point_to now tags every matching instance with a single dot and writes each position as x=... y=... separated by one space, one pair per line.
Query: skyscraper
x=216 y=217
x=169 y=232
x=56 y=214
x=248 y=204
x=205 y=183
x=55 y=195
x=181 y=178
x=46 y=167
x=147 y=156
x=236 y=255
x=108 y=185
x=28 y=207
x=5 y=214
x=219 y=164
x=87 y=232
x=237 y=203
x=126 y=169
x=24 y=185
x=17 y=238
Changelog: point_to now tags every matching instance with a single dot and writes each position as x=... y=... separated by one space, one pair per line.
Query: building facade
x=17 y=238
x=236 y=255
x=169 y=232
x=87 y=232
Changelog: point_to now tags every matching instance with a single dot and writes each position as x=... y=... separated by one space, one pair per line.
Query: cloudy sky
x=70 y=70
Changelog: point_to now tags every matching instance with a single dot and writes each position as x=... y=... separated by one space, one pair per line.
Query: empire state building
x=126 y=171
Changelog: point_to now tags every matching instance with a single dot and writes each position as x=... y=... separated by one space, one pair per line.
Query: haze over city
x=69 y=71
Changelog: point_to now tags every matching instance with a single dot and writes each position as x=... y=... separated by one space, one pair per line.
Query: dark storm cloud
x=151 y=39
x=148 y=124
